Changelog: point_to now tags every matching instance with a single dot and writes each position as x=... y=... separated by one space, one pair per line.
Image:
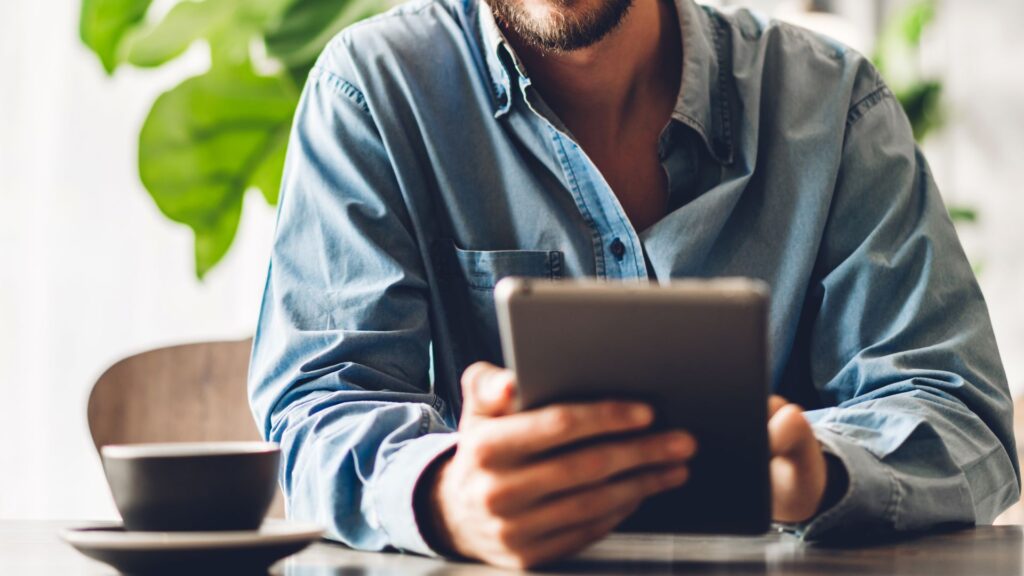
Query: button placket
x=597 y=202
x=617 y=248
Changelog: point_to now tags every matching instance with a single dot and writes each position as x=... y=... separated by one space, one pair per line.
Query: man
x=452 y=142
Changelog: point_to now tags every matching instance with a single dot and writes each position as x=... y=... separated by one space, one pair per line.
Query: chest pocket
x=467 y=280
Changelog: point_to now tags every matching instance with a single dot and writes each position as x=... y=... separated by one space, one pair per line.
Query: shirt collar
x=497 y=51
x=707 y=93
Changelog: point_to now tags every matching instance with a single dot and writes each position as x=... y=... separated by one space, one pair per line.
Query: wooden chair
x=188 y=393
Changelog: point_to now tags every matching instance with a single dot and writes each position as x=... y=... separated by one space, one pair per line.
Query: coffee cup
x=201 y=486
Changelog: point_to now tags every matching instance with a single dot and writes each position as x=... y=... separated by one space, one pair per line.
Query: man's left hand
x=798 y=469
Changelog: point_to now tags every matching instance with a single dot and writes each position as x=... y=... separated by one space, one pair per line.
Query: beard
x=560 y=25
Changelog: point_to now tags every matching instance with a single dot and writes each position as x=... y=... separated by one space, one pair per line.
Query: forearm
x=914 y=461
x=353 y=467
x=902 y=347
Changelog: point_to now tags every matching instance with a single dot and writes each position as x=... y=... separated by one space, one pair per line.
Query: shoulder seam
x=342 y=87
x=866 y=104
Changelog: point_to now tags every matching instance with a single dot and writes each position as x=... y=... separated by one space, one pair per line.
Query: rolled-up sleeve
x=340 y=367
x=903 y=349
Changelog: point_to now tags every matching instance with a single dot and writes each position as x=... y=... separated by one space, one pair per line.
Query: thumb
x=487 y=390
x=789 y=433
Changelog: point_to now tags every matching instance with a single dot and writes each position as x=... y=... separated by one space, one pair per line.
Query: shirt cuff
x=396 y=487
x=871 y=496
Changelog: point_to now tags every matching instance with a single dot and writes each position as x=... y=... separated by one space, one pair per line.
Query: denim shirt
x=423 y=167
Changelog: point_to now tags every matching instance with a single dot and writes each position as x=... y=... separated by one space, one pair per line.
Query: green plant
x=214 y=136
x=898 y=58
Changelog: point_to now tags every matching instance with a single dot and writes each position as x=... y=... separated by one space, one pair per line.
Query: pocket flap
x=484 y=268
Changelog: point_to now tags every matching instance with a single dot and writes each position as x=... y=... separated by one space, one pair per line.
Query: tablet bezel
x=576 y=340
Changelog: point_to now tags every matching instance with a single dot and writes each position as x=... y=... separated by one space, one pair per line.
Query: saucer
x=191 y=552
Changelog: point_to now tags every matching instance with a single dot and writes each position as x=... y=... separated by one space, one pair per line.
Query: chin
x=563 y=25
x=557 y=9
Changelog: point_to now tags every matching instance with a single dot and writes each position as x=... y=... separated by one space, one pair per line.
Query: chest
x=627 y=156
x=639 y=182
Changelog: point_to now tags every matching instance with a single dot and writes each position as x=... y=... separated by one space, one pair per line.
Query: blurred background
x=113 y=206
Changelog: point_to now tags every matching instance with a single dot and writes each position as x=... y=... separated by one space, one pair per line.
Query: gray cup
x=203 y=486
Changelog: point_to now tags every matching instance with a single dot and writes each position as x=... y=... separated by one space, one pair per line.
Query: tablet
x=696 y=351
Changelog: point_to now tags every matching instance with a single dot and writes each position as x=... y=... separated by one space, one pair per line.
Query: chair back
x=188 y=393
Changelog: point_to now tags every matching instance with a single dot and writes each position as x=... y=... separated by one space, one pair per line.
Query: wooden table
x=34 y=549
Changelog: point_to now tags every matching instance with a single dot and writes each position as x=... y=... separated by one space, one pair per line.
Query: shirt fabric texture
x=423 y=167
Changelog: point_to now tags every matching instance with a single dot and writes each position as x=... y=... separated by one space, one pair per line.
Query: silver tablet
x=695 y=350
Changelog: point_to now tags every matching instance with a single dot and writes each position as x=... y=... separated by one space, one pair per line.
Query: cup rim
x=186 y=449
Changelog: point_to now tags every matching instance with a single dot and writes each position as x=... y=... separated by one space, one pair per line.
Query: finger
x=487 y=390
x=573 y=540
x=593 y=465
x=793 y=499
x=525 y=435
x=593 y=503
x=774 y=404
x=789 y=433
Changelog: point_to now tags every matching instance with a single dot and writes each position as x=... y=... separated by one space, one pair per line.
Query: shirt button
x=618 y=249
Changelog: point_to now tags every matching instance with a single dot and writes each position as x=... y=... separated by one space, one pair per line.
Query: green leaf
x=268 y=176
x=103 y=24
x=915 y=19
x=898 y=58
x=208 y=140
x=213 y=241
x=922 y=103
x=964 y=214
x=230 y=26
x=205 y=142
x=187 y=22
x=302 y=30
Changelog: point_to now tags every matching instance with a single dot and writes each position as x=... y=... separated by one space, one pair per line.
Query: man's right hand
x=521 y=490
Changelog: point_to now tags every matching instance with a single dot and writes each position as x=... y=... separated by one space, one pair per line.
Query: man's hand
x=798 y=468
x=521 y=490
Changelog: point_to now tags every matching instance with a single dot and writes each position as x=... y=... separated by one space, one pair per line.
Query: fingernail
x=494 y=388
x=680 y=446
x=640 y=414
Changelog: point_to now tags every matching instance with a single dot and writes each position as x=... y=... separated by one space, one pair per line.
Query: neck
x=610 y=79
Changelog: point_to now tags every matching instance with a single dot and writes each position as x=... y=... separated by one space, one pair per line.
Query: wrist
x=429 y=510
x=837 y=483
